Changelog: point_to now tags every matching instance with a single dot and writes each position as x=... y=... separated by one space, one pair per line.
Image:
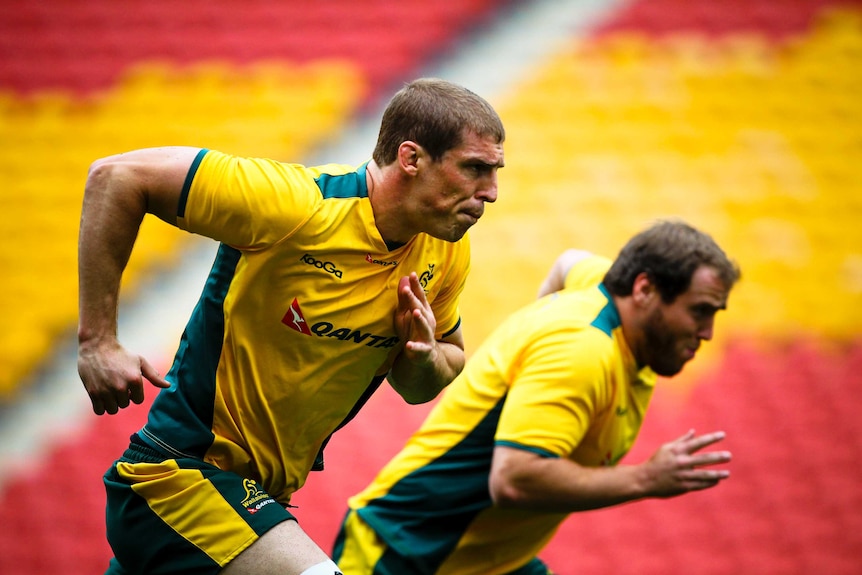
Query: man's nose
x=705 y=331
x=488 y=193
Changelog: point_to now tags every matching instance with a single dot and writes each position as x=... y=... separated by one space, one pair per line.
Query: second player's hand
x=679 y=466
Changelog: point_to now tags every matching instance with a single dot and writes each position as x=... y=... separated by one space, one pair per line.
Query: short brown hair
x=435 y=114
x=669 y=252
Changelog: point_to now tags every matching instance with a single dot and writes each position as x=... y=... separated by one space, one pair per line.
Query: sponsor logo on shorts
x=255 y=497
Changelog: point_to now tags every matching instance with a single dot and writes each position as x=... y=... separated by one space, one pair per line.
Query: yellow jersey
x=294 y=328
x=556 y=378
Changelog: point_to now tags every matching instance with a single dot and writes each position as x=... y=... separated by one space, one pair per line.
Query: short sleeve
x=248 y=203
x=558 y=387
x=587 y=272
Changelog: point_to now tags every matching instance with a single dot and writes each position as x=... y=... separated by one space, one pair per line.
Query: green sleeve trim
x=538 y=451
x=187 y=185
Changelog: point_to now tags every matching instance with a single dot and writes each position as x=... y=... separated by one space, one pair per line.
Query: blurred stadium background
x=742 y=116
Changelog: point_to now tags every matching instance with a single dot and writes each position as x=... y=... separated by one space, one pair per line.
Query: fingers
x=106 y=404
x=98 y=405
x=112 y=399
x=703 y=479
x=416 y=288
x=410 y=292
x=690 y=443
x=123 y=396
x=105 y=401
x=688 y=435
x=422 y=329
x=420 y=341
x=112 y=390
x=694 y=444
x=153 y=375
x=698 y=443
x=711 y=458
x=136 y=394
x=416 y=319
x=680 y=466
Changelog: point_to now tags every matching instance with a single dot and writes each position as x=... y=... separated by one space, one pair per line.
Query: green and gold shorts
x=167 y=516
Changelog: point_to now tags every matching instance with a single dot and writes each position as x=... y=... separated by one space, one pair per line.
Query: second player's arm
x=555 y=280
x=522 y=479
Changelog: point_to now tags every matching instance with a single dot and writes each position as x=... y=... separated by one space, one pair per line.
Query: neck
x=632 y=332
x=385 y=205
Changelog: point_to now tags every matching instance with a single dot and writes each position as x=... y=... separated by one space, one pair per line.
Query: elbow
x=99 y=168
x=97 y=164
x=417 y=397
x=98 y=175
x=506 y=495
x=415 y=392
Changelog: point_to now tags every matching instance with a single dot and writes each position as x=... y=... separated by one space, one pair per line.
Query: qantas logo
x=294 y=319
x=371 y=260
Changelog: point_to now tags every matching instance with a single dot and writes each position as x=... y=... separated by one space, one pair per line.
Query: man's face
x=673 y=332
x=451 y=193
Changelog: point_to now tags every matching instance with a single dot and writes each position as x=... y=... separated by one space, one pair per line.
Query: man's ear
x=408 y=156
x=644 y=292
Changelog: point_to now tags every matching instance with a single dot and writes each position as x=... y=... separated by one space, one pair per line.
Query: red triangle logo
x=294 y=319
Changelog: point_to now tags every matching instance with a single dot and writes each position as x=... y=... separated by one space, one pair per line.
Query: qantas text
x=326 y=329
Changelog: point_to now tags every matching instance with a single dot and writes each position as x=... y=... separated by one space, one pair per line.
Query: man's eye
x=702 y=312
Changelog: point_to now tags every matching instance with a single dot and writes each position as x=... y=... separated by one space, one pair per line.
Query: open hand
x=414 y=320
x=679 y=466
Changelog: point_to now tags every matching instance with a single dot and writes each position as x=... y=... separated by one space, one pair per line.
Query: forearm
x=522 y=479
x=420 y=382
x=562 y=486
x=110 y=221
x=119 y=192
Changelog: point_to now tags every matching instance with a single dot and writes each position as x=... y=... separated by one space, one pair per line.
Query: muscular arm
x=425 y=365
x=119 y=192
x=522 y=479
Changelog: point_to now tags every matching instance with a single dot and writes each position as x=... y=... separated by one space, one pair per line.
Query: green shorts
x=172 y=516
x=359 y=550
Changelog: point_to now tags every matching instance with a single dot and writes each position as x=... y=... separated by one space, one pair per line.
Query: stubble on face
x=664 y=355
x=673 y=332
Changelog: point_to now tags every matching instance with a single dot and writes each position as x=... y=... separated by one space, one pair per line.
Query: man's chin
x=453 y=235
x=668 y=370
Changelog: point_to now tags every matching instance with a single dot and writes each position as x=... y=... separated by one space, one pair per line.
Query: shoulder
x=584 y=269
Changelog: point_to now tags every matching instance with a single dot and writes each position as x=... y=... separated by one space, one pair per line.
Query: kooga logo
x=328 y=267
